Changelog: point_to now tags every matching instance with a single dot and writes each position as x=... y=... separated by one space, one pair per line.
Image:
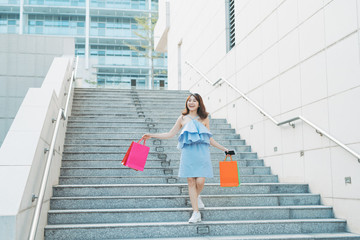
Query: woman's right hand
x=146 y=136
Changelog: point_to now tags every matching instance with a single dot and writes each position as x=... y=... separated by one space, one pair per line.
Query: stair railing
x=61 y=115
x=318 y=130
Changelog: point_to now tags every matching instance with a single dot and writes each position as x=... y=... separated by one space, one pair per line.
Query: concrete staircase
x=98 y=198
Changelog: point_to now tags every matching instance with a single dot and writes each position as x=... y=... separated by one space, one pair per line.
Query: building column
x=87 y=34
x=179 y=65
x=150 y=50
x=21 y=18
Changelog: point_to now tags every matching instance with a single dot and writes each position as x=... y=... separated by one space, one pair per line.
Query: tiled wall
x=292 y=57
x=24 y=62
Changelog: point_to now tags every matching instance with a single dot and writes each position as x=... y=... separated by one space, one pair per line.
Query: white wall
x=22 y=156
x=162 y=25
x=24 y=62
x=292 y=57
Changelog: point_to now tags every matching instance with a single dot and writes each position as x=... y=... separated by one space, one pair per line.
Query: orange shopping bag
x=229 y=175
x=136 y=156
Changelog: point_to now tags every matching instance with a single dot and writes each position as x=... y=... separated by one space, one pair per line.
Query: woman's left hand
x=146 y=136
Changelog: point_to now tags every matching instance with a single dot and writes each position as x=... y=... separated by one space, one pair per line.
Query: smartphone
x=230 y=152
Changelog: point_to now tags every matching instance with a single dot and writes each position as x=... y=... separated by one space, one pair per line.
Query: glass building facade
x=103 y=31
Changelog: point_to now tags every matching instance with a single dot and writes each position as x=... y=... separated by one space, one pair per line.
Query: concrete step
x=107 y=148
x=126 y=108
x=141 y=115
x=180 y=201
x=138 y=92
x=152 y=156
x=135 y=136
x=144 y=125
x=126 y=103
x=151 y=111
x=174 y=189
x=159 y=120
x=113 y=99
x=147 y=215
x=184 y=229
x=162 y=119
x=135 y=129
x=152 y=163
x=123 y=115
x=82 y=180
x=304 y=236
x=84 y=89
x=176 y=100
x=151 y=142
x=134 y=94
x=151 y=171
x=118 y=110
x=137 y=124
x=119 y=114
x=140 y=98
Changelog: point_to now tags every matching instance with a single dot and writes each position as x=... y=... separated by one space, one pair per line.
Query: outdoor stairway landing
x=98 y=198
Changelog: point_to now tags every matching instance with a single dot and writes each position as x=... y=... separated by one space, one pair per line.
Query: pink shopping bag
x=136 y=156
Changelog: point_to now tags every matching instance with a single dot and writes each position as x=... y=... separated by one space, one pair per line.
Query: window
x=230 y=24
x=11 y=22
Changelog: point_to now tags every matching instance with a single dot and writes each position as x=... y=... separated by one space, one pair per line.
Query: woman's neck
x=193 y=113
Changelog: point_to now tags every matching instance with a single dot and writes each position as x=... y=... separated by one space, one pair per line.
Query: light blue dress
x=194 y=142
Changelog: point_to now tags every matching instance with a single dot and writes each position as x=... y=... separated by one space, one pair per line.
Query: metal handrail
x=61 y=115
x=289 y=121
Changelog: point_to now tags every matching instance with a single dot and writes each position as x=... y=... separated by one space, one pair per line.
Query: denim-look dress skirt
x=194 y=142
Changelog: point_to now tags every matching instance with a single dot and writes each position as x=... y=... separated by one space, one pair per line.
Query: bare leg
x=200 y=181
x=193 y=193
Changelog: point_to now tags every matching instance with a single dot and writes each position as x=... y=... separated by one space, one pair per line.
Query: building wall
x=24 y=62
x=32 y=131
x=292 y=57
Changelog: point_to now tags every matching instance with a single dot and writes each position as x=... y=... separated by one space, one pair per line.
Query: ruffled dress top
x=194 y=142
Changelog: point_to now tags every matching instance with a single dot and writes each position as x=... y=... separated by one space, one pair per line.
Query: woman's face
x=192 y=104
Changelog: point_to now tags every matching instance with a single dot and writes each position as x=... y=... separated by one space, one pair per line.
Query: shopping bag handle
x=228 y=156
x=142 y=139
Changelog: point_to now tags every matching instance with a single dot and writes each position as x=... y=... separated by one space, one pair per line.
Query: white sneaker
x=196 y=217
x=200 y=203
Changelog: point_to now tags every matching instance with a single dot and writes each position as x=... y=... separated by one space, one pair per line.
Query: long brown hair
x=201 y=111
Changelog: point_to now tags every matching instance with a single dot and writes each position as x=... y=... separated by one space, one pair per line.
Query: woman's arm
x=217 y=145
x=175 y=129
x=212 y=141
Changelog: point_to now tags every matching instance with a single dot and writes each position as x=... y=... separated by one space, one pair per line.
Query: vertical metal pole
x=179 y=65
x=21 y=19
x=150 y=50
x=87 y=34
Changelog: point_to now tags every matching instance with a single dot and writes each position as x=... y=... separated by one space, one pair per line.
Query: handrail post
x=68 y=96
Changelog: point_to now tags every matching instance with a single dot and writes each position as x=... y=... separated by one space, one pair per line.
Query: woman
x=194 y=141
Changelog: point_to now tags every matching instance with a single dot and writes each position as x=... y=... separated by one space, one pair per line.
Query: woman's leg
x=193 y=193
x=200 y=181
